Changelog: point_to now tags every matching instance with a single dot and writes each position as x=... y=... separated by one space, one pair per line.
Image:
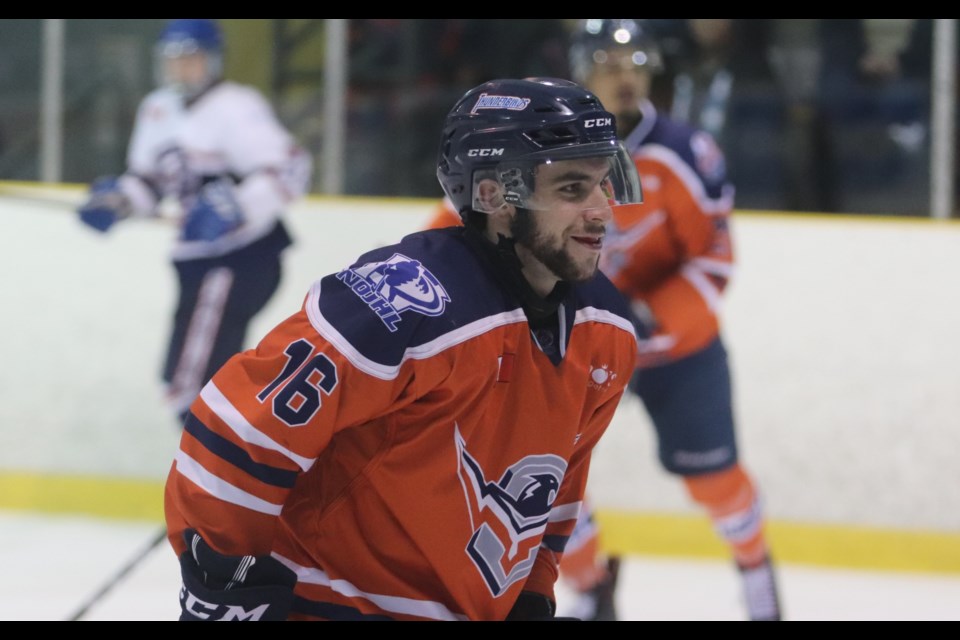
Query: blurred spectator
x=716 y=78
x=404 y=74
x=885 y=41
x=795 y=54
x=720 y=56
x=837 y=77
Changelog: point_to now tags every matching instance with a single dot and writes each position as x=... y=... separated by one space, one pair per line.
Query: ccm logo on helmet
x=597 y=122
x=484 y=153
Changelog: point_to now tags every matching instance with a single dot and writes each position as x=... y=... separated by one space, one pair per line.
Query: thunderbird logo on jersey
x=513 y=103
x=508 y=516
x=394 y=286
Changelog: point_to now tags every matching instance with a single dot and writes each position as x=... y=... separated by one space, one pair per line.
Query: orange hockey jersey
x=672 y=256
x=405 y=442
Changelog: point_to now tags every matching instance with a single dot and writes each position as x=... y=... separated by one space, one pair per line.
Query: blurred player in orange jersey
x=671 y=257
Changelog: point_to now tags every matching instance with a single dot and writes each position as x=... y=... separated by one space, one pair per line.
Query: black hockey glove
x=242 y=588
x=534 y=607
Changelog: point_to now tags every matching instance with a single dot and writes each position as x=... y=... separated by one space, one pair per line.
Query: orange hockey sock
x=733 y=504
x=583 y=565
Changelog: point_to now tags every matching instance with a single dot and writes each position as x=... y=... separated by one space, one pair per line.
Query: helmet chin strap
x=509 y=270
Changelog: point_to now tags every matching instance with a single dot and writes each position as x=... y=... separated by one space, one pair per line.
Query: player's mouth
x=591 y=242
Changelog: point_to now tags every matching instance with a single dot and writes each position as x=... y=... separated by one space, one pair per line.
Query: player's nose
x=598 y=207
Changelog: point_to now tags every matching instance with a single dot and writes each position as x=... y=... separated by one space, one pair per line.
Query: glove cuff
x=201 y=603
x=222 y=587
x=532 y=606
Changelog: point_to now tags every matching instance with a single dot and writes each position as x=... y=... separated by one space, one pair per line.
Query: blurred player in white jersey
x=216 y=149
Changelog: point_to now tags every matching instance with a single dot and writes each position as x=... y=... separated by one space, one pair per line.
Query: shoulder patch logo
x=396 y=285
x=601 y=377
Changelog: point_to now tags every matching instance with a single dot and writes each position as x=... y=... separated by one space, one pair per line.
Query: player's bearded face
x=549 y=249
x=567 y=235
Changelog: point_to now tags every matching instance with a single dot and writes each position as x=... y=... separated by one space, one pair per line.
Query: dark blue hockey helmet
x=189 y=38
x=593 y=40
x=503 y=129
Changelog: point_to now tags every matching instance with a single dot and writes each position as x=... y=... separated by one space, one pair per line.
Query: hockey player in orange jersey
x=414 y=442
x=671 y=257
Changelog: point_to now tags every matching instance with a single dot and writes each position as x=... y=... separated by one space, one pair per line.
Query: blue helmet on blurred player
x=502 y=130
x=626 y=43
x=189 y=56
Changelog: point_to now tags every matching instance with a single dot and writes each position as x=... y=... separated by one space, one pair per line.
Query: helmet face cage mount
x=499 y=134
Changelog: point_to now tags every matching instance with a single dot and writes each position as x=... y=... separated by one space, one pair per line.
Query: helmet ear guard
x=488 y=192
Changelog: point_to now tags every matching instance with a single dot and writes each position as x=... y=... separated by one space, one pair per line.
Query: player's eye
x=574 y=190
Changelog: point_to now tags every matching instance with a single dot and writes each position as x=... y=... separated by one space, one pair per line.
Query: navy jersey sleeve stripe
x=226 y=450
x=555 y=543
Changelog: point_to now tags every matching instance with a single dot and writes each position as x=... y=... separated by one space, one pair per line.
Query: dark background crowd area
x=815 y=115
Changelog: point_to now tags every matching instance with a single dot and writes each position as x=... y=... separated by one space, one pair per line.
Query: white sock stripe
x=742 y=525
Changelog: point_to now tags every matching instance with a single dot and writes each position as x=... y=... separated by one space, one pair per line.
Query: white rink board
x=842 y=334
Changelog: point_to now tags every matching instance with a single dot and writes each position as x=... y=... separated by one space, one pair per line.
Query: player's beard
x=526 y=232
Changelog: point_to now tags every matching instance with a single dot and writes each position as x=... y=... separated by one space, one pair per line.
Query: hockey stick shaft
x=35 y=197
x=40 y=201
x=119 y=576
x=68 y=196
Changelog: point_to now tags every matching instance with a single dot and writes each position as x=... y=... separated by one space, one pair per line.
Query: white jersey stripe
x=224 y=410
x=710 y=294
x=444 y=342
x=711 y=206
x=221 y=489
x=422 y=352
x=407 y=606
x=569 y=511
x=714 y=267
x=592 y=314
